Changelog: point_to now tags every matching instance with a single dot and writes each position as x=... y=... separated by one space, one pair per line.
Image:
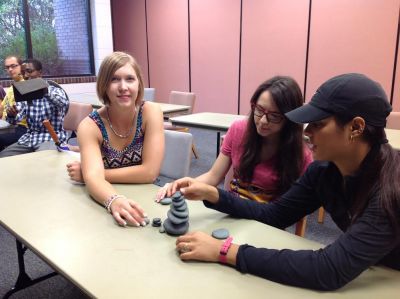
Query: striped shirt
x=53 y=107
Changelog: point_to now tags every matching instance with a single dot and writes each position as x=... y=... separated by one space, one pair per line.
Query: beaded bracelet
x=110 y=200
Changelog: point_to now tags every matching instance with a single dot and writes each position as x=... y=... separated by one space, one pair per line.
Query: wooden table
x=80 y=240
x=219 y=122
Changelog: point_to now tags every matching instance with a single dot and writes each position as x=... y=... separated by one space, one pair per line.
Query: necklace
x=116 y=134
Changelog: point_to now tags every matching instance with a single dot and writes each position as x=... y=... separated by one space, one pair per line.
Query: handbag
x=251 y=191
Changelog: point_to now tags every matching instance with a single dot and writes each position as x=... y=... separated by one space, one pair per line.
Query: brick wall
x=72 y=35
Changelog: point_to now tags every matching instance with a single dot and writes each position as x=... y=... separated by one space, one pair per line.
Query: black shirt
x=369 y=240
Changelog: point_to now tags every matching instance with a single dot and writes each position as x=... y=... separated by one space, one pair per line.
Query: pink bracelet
x=224 y=250
x=110 y=200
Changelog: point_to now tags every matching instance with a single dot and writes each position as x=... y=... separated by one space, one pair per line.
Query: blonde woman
x=122 y=142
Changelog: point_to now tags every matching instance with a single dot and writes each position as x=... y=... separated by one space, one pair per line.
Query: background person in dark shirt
x=356 y=178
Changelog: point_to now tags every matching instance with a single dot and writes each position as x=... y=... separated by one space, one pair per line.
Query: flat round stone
x=176 y=220
x=179 y=204
x=166 y=201
x=174 y=229
x=180 y=214
x=156 y=222
x=221 y=233
x=177 y=194
x=178 y=199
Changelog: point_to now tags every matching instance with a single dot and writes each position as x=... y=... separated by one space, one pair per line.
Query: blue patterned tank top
x=131 y=155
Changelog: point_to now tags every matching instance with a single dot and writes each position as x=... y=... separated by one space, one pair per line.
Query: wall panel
x=214 y=43
x=274 y=42
x=352 y=36
x=129 y=28
x=167 y=27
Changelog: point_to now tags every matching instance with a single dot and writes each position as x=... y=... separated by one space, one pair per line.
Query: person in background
x=356 y=178
x=12 y=65
x=122 y=142
x=52 y=107
x=266 y=150
x=2 y=93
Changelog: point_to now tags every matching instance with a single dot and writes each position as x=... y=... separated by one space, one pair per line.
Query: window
x=57 y=32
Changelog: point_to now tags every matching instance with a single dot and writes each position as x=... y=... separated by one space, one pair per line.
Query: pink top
x=264 y=175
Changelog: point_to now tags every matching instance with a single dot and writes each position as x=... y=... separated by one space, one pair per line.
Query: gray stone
x=174 y=229
x=177 y=194
x=180 y=214
x=176 y=220
x=178 y=204
x=147 y=220
x=166 y=201
x=221 y=233
x=181 y=208
x=178 y=199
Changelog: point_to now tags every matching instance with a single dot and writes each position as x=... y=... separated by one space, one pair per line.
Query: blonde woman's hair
x=107 y=70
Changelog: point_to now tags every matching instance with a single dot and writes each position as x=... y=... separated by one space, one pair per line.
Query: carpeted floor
x=58 y=287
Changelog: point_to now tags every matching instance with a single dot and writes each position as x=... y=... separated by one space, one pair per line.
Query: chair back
x=183 y=98
x=149 y=94
x=393 y=121
x=177 y=156
x=76 y=113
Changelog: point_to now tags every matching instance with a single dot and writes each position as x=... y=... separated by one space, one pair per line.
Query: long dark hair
x=380 y=174
x=286 y=94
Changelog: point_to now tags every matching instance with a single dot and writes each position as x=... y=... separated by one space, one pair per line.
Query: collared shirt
x=53 y=107
x=368 y=241
x=9 y=101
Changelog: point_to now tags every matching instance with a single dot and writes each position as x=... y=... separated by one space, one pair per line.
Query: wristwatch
x=224 y=250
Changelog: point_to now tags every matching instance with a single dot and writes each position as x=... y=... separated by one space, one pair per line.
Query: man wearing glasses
x=53 y=106
x=12 y=65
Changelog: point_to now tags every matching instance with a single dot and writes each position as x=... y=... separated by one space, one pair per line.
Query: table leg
x=23 y=280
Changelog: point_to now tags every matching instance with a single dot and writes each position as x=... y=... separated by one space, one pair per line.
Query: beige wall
x=222 y=50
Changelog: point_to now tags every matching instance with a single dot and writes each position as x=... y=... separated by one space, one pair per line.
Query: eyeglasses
x=12 y=66
x=273 y=117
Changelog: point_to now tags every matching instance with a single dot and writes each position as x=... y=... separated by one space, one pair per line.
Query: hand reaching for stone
x=162 y=192
x=194 y=190
x=127 y=212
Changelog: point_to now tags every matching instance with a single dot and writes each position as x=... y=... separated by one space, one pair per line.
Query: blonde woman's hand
x=198 y=246
x=75 y=171
x=162 y=192
x=127 y=212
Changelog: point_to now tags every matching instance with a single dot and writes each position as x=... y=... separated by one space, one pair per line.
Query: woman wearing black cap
x=356 y=178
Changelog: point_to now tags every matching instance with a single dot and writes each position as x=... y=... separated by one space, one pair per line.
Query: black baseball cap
x=347 y=95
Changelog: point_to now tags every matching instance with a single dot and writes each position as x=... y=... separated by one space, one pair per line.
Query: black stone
x=156 y=222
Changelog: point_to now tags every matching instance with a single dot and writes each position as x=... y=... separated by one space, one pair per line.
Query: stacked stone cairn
x=177 y=222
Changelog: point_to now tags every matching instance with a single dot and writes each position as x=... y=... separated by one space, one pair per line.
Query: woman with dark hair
x=267 y=153
x=356 y=178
